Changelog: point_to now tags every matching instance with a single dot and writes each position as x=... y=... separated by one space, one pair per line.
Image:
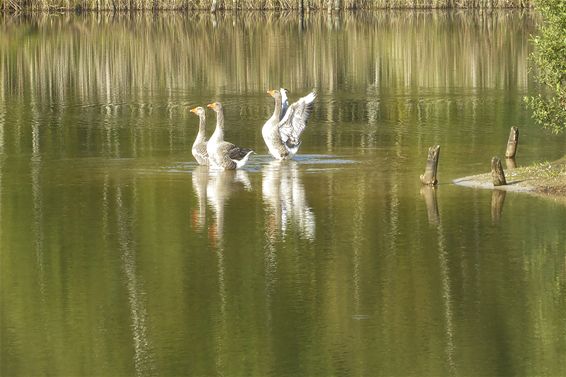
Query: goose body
x=283 y=129
x=222 y=154
x=199 y=146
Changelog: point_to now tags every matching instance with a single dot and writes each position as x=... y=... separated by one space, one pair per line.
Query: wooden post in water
x=429 y=176
x=512 y=143
x=497 y=174
x=213 y=6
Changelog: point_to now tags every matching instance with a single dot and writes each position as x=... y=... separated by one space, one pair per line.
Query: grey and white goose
x=283 y=130
x=223 y=154
x=199 y=146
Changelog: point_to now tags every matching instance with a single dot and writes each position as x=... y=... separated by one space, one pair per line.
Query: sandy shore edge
x=533 y=180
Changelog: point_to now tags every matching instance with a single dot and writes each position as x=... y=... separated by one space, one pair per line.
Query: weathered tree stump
x=497 y=200
x=497 y=174
x=429 y=194
x=512 y=143
x=429 y=176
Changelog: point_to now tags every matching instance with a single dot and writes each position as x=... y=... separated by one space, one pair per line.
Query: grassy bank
x=128 y=5
x=545 y=178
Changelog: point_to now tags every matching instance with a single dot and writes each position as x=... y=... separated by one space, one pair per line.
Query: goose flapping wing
x=295 y=120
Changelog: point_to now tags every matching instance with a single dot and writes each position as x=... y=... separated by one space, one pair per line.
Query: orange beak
x=194 y=110
x=271 y=92
x=211 y=105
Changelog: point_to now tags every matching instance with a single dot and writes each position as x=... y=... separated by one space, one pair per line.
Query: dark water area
x=120 y=256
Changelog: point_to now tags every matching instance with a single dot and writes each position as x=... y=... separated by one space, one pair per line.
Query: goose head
x=199 y=111
x=216 y=106
x=274 y=93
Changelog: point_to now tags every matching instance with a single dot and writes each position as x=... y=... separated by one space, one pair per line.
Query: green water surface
x=120 y=257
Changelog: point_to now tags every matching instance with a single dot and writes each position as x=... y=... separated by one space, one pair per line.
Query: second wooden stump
x=429 y=176
x=512 y=143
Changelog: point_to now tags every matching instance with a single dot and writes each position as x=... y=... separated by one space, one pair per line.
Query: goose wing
x=200 y=149
x=232 y=151
x=295 y=120
x=230 y=156
x=200 y=154
x=237 y=153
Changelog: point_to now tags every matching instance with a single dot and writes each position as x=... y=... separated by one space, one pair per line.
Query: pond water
x=120 y=256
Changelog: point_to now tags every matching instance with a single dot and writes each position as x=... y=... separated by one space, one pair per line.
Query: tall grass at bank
x=128 y=5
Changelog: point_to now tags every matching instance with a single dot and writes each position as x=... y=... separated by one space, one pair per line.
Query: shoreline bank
x=546 y=179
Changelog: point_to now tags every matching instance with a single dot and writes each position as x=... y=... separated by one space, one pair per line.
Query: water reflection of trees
x=140 y=53
x=140 y=339
x=282 y=5
x=101 y=58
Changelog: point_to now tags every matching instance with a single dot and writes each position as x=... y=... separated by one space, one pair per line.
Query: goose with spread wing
x=283 y=130
x=199 y=146
x=222 y=154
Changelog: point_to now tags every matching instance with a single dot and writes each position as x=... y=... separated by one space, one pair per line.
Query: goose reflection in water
x=200 y=181
x=221 y=184
x=284 y=194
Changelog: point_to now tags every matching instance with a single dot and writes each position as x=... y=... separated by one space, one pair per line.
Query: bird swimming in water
x=199 y=146
x=223 y=154
x=283 y=130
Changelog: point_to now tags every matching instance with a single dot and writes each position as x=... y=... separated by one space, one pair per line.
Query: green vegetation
x=126 y=5
x=545 y=177
x=549 y=108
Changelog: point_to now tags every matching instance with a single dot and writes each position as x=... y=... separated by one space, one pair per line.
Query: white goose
x=199 y=146
x=283 y=130
x=222 y=154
